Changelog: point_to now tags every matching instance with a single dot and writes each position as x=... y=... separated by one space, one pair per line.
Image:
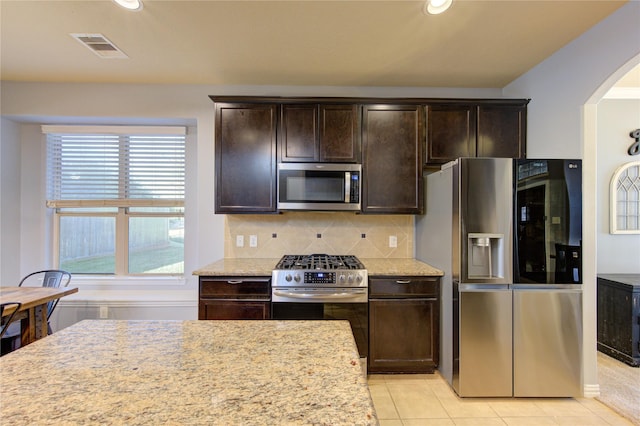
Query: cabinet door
x=502 y=131
x=245 y=148
x=403 y=335
x=312 y=132
x=339 y=134
x=233 y=310
x=451 y=132
x=299 y=133
x=392 y=138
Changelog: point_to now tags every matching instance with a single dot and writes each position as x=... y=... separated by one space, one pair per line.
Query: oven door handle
x=296 y=295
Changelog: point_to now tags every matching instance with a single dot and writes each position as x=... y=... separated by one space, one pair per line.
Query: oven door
x=309 y=305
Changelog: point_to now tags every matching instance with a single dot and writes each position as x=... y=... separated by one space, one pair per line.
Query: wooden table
x=33 y=312
x=188 y=373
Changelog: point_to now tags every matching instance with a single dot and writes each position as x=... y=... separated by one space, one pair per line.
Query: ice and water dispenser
x=485 y=256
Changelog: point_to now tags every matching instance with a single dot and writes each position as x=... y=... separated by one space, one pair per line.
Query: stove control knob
x=342 y=278
x=296 y=278
x=350 y=279
x=288 y=277
x=358 y=278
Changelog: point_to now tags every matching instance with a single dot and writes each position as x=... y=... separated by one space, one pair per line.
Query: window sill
x=101 y=281
x=130 y=289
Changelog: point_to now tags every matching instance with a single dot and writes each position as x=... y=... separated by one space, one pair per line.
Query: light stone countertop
x=240 y=266
x=264 y=267
x=406 y=267
x=188 y=373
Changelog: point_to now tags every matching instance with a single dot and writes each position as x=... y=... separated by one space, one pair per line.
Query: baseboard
x=72 y=311
x=591 y=391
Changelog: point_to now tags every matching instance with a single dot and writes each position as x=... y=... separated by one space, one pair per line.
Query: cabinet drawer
x=224 y=309
x=235 y=287
x=403 y=286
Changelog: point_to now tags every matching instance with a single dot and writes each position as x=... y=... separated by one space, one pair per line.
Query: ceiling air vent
x=100 y=45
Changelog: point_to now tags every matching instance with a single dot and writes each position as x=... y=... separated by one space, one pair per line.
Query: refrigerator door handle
x=484 y=287
x=548 y=287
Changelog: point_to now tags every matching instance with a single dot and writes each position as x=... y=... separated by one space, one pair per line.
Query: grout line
x=595 y=408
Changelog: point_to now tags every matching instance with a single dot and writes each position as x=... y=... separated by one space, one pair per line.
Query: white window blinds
x=115 y=166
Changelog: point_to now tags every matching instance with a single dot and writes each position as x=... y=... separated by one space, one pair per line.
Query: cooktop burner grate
x=319 y=262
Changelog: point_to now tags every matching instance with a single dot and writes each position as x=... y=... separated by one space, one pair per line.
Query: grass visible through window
x=165 y=260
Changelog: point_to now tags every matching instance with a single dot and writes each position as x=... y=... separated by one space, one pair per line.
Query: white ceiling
x=334 y=43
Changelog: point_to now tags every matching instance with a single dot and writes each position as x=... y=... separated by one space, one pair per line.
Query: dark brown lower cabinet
x=233 y=309
x=404 y=324
x=229 y=298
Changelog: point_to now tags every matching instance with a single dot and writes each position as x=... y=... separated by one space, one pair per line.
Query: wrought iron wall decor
x=634 y=149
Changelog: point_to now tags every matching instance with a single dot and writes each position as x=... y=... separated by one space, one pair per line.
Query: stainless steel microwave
x=319 y=186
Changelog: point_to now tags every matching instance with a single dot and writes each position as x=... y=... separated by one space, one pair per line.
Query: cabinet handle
x=403 y=281
x=234 y=282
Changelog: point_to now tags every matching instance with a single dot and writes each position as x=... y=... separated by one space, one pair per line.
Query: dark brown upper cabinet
x=502 y=131
x=475 y=129
x=245 y=157
x=319 y=133
x=451 y=132
x=392 y=140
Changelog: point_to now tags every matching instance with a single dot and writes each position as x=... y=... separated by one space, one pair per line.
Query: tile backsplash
x=365 y=236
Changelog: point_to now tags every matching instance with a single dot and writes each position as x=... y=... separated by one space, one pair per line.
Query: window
x=625 y=199
x=117 y=195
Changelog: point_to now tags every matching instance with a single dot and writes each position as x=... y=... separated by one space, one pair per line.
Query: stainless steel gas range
x=322 y=286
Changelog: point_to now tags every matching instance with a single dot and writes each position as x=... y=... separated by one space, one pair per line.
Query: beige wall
x=617 y=253
x=366 y=236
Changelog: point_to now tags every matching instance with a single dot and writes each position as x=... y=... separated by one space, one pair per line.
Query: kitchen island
x=188 y=372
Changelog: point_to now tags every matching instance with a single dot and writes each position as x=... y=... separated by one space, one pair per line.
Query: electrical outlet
x=104 y=312
x=239 y=240
x=393 y=241
x=253 y=241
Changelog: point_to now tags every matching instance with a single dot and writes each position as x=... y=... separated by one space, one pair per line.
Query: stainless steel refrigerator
x=507 y=234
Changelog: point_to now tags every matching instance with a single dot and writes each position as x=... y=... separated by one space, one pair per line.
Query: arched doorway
x=596 y=199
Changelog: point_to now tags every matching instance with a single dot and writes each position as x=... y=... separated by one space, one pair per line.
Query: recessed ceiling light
x=435 y=7
x=130 y=4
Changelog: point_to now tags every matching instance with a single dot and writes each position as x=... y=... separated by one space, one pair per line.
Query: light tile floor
x=426 y=400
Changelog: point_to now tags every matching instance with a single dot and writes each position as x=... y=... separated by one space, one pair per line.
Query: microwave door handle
x=347 y=187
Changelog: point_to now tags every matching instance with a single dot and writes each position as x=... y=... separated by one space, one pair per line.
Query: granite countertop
x=239 y=266
x=188 y=372
x=407 y=267
x=264 y=267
